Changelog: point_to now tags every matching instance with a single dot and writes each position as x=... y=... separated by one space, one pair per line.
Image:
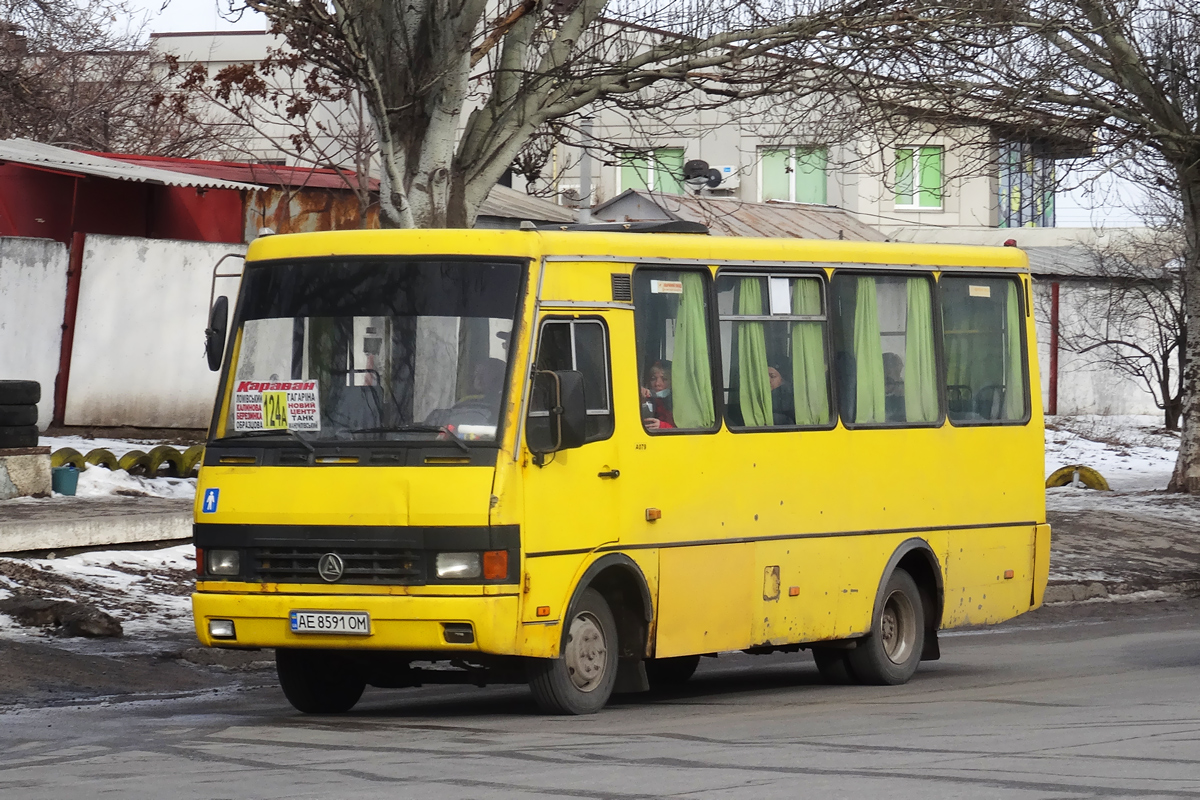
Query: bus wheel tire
x=667 y=672
x=833 y=665
x=317 y=682
x=581 y=681
x=889 y=655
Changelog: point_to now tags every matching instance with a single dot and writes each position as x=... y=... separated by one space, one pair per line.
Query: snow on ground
x=98 y=482
x=1133 y=453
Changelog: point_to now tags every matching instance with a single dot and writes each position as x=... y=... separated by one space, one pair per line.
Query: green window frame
x=920 y=177
x=658 y=170
x=797 y=174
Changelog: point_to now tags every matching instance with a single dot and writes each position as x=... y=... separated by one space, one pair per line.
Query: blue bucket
x=64 y=480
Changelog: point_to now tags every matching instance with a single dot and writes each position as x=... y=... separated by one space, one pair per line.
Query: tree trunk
x=1186 y=477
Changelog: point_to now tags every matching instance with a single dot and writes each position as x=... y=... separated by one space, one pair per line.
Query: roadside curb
x=1064 y=593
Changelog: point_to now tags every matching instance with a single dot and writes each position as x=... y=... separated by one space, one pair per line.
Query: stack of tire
x=18 y=413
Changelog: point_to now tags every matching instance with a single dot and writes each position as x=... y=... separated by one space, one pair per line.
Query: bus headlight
x=224 y=562
x=458 y=565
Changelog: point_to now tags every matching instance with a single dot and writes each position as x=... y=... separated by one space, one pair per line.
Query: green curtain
x=691 y=376
x=1014 y=375
x=920 y=368
x=809 y=386
x=754 y=383
x=868 y=354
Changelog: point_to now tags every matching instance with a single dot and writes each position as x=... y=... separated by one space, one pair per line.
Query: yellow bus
x=583 y=459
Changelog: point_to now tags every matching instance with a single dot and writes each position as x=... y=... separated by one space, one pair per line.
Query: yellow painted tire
x=102 y=457
x=165 y=454
x=193 y=457
x=135 y=461
x=1087 y=476
x=66 y=455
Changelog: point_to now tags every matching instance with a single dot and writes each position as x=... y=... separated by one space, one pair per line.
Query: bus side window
x=671 y=318
x=884 y=350
x=580 y=345
x=984 y=345
x=773 y=348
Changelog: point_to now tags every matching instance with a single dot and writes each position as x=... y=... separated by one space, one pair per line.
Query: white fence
x=138 y=356
x=33 y=291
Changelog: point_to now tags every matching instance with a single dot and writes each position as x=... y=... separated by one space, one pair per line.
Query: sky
x=1107 y=203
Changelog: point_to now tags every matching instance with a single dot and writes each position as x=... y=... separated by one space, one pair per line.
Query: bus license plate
x=351 y=623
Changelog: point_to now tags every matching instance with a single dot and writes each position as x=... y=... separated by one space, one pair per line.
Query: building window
x=1026 y=186
x=919 y=177
x=659 y=170
x=796 y=174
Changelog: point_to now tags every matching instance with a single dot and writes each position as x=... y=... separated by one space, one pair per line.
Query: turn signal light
x=495 y=565
x=543 y=611
x=1008 y=574
x=653 y=514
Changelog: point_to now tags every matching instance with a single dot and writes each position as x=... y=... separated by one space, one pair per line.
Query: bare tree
x=1130 y=316
x=1124 y=75
x=457 y=89
x=70 y=76
x=311 y=116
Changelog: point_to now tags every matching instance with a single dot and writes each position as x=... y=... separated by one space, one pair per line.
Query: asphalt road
x=1097 y=701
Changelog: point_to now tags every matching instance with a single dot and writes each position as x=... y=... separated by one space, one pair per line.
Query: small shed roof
x=1064 y=261
x=505 y=203
x=60 y=159
x=260 y=174
x=731 y=217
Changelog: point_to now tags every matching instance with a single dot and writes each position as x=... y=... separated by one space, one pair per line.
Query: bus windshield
x=382 y=350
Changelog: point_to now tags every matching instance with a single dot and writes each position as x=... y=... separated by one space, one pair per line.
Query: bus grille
x=375 y=565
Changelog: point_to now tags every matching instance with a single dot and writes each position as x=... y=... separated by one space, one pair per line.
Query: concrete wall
x=138 y=356
x=1084 y=386
x=33 y=289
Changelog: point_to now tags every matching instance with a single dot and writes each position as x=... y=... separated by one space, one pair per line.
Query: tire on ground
x=18 y=436
x=667 y=672
x=318 y=681
x=67 y=457
x=833 y=665
x=582 y=679
x=18 y=415
x=889 y=654
x=20 y=393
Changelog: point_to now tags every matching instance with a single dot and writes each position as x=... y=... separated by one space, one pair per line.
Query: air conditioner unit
x=730 y=177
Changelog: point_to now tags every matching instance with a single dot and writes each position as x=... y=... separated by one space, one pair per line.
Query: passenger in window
x=656 y=397
x=783 y=399
x=893 y=387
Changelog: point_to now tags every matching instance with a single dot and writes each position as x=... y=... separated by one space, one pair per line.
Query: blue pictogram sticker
x=211 y=497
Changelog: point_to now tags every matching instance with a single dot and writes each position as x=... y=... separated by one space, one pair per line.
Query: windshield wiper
x=272 y=432
x=417 y=429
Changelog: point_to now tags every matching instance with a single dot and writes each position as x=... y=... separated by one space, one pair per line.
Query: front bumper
x=397 y=623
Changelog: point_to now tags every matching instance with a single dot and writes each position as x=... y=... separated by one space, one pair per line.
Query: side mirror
x=558 y=413
x=214 y=335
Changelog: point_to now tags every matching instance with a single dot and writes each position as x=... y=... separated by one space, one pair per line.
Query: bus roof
x=624 y=246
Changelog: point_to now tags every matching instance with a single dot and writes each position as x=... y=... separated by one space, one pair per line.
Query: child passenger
x=656 y=397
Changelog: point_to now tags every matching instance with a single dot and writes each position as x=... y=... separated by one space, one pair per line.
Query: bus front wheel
x=581 y=681
x=890 y=653
x=318 y=682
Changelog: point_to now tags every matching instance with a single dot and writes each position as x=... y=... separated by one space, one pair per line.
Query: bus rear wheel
x=581 y=681
x=318 y=682
x=889 y=655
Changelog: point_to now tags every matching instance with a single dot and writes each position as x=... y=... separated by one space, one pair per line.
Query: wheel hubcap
x=587 y=652
x=898 y=628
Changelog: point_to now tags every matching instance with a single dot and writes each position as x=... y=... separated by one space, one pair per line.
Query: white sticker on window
x=781 y=296
x=666 y=287
x=981 y=291
x=276 y=405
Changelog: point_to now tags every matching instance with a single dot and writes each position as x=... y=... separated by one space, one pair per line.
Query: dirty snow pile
x=99 y=482
x=148 y=591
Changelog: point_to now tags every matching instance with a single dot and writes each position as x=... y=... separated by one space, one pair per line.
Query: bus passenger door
x=571 y=499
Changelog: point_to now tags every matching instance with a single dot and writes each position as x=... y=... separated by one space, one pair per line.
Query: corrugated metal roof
x=260 y=174
x=1064 y=261
x=36 y=154
x=507 y=203
x=731 y=217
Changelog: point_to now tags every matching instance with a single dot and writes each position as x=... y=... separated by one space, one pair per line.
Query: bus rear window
x=984 y=350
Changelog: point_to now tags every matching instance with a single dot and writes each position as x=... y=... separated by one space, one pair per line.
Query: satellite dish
x=699 y=175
